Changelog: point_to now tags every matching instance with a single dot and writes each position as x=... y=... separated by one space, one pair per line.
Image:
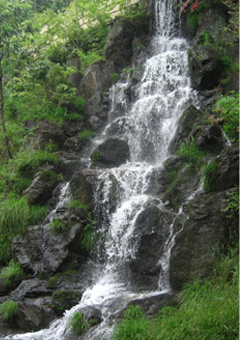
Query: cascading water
x=148 y=126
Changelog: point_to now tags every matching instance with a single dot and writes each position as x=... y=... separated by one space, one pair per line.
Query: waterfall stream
x=148 y=124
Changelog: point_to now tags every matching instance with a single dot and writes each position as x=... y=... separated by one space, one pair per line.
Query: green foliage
x=133 y=327
x=78 y=324
x=58 y=226
x=115 y=77
x=209 y=172
x=28 y=163
x=193 y=21
x=136 y=16
x=47 y=175
x=76 y=204
x=51 y=147
x=190 y=153
x=89 y=234
x=8 y=310
x=86 y=134
x=228 y=108
x=11 y=274
x=15 y=216
x=207 y=310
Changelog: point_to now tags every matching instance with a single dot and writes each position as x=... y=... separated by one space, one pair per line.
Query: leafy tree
x=12 y=15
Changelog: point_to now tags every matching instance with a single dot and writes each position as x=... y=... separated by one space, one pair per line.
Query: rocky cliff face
x=57 y=261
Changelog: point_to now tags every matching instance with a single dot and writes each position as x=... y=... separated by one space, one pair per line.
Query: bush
x=209 y=172
x=86 y=134
x=8 y=310
x=190 y=153
x=58 y=226
x=133 y=327
x=228 y=108
x=78 y=324
x=15 y=216
x=11 y=274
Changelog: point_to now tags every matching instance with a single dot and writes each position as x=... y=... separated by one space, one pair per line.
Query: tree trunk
x=6 y=140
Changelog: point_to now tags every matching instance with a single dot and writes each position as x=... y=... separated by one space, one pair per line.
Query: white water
x=148 y=126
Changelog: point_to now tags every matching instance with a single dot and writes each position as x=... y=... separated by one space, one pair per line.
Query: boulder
x=205 y=68
x=97 y=78
x=210 y=138
x=33 y=288
x=227 y=171
x=46 y=132
x=198 y=234
x=191 y=117
x=32 y=317
x=111 y=153
x=72 y=128
x=42 y=186
x=82 y=186
x=40 y=250
x=71 y=163
x=151 y=233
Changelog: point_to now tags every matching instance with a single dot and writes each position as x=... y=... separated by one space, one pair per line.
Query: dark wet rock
x=64 y=300
x=95 y=122
x=41 y=250
x=152 y=304
x=71 y=163
x=181 y=182
x=32 y=317
x=42 y=186
x=151 y=233
x=205 y=68
x=188 y=122
x=93 y=105
x=97 y=78
x=76 y=144
x=211 y=138
x=92 y=315
x=227 y=171
x=46 y=132
x=82 y=186
x=30 y=289
x=111 y=153
x=199 y=232
x=72 y=128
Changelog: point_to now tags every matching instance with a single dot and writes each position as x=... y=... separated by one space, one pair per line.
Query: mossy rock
x=64 y=300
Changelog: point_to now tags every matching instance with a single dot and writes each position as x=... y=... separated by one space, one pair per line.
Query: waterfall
x=148 y=125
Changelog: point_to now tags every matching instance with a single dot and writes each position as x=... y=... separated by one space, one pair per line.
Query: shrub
x=78 y=324
x=11 y=274
x=15 y=216
x=89 y=234
x=209 y=172
x=75 y=204
x=133 y=327
x=58 y=226
x=228 y=108
x=8 y=310
x=190 y=153
x=28 y=163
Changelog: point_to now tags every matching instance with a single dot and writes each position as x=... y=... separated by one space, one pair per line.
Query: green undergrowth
x=15 y=216
x=190 y=153
x=11 y=274
x=78 y=324
x=89 y=234
x=8 y=310
x=58 y=226
x=207 y=310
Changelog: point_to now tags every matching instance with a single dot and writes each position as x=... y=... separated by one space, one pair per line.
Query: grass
x=86 y=134
x=207 y=311
x=76 y=204
x=209 y=172
x=58 y=226
x=190 y=153
x=15 y=216
x=10 y=274
x=78 y=324
x=8 y=310
x=89 y=234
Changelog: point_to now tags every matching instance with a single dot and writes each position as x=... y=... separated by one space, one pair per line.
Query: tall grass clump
x=11 y=274
x=78 y=324
x=190 y=153
x=134 y=326
x=8 y=310
x=15 y=216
